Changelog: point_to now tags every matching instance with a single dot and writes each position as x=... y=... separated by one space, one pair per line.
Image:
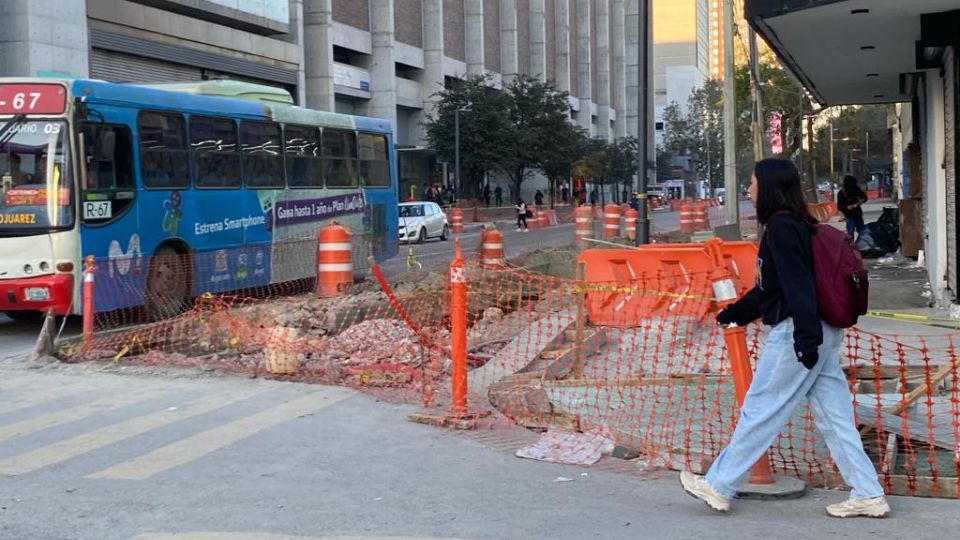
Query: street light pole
x=731 y=187
x=456 y=151
x=833 y=178
x=643 y=119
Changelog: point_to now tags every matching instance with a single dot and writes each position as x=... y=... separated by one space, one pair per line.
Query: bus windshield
x=35 y=180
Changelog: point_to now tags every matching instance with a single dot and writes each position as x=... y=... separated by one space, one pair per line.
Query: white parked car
x=422 y=220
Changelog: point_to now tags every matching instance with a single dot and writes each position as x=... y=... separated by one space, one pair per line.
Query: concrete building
x=715 y=34
x=889 y=51
x=681 y=52
x=384 y=58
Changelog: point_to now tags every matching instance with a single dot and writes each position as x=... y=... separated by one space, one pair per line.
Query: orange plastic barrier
x=456 y=220
x=625 y=286
x=686 y=217
x=611 y=221
x=334 y=261
x=630 y=223
x=739 y=258
x=583 y=223
x=822 y=211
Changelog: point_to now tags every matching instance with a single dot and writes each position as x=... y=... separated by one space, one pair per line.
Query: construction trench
x=660 y=388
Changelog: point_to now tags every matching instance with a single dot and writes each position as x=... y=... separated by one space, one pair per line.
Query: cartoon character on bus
x=172 y=213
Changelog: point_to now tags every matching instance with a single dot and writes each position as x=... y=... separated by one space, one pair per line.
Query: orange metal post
x=89 y=269
x=458 y=331
x=736 y=340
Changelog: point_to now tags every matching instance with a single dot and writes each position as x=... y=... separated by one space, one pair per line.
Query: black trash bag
x=878 y=239
x=890 y=214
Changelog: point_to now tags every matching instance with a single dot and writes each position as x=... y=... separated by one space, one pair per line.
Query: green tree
x=537 y=114
x=483 y=118
x=621 y=163
x=592 y=165
x=557 y=160
x=696 y=131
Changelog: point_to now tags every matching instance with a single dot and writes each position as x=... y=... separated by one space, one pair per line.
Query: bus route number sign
x=35 y=98
x=97 y=210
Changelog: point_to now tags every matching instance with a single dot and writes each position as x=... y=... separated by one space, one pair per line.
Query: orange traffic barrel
x=456 y=220
x=701 y=217
x=583 y=223
x=334 y=261
x=630 y=222
x=686 y=217
x=611 y=221
x=491 y=250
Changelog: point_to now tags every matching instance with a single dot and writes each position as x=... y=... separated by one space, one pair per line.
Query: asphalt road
x=88 y=455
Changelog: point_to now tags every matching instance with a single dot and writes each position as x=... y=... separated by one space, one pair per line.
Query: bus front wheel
x=168 y=284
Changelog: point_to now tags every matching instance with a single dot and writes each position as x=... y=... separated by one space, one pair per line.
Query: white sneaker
x=876 y=507
x=697 y=486
x=526 y=230
x=519 y=229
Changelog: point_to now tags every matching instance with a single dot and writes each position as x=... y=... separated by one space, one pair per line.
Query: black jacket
x=847 y=197
x=785 y=286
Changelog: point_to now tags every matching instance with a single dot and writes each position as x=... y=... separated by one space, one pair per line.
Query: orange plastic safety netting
x=542 y=355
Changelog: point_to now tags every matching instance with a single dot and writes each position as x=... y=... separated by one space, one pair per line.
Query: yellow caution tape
x=599 y=287
x=940 y=322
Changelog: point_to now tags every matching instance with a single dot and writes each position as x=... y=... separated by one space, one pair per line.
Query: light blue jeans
x=779 y=385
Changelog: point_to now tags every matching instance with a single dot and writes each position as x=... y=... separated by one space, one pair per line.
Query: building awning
x=848 y=52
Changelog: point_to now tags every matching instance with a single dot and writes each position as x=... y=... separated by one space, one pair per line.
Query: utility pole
x=645 y=42
x=833 y=177
x=456 y=152
x=732 y=208
x=756 y=112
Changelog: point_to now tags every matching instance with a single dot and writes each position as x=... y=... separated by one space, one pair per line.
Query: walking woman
x=799 y=360
x=521 y=215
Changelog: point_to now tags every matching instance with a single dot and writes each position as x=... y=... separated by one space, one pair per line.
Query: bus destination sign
x=32 y=98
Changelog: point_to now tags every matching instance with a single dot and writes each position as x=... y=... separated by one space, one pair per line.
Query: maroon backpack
x=840 y=278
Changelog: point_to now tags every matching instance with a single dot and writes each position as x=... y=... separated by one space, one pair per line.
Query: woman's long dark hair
x=778 y=190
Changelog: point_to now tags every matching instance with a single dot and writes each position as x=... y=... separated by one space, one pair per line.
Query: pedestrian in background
x=522 y=216
x=498 y=195
x=850 y=200
x=565 y=194
x=538 y=198
x=800 y=359
x=486 y=195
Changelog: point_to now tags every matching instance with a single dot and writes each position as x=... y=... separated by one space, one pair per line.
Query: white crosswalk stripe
x=201 y=444
x=79 y=412
x=81 y=444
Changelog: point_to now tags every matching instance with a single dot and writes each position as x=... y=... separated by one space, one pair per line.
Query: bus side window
x=340 y=158
x=216 y=156
x=374 y=164
x=262 y=160
x=302 y=150
x=111 y=187
x=163 y=151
